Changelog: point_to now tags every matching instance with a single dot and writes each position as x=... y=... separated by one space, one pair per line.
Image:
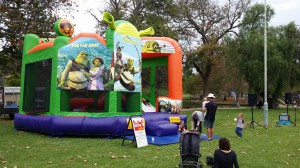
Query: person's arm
x=204 y=109
x=88 y=74
x=192 y=125
x=243 y=121
x=137 y=69
x=216 y=160
x=203 y=104
x=235 y=161
x=184 y=128
x=192 y=122
x=179 y=127
x=198 y=124
x=65 y=73
x=205 y=112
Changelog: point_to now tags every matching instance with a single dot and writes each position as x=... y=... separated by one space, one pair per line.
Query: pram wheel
x=191 y=166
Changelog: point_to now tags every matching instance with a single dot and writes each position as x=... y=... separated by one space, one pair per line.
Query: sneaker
x=209 y=139
x=239 y=137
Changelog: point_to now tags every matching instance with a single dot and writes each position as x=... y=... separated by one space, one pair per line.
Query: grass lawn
x=274 y=147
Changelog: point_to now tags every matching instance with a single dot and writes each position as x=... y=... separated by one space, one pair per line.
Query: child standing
x=203 y=105
x=239 y=125
x=182 y=126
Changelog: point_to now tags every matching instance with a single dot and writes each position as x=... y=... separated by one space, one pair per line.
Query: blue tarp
x=204 y=137
x=170 y=139
x=163 y=140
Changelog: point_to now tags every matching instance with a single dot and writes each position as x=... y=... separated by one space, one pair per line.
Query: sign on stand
x=139 y=132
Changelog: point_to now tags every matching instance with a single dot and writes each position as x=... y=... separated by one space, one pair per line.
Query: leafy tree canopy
x=142 y=14
x=203 y=24
x=20 y=17
x=248 y=49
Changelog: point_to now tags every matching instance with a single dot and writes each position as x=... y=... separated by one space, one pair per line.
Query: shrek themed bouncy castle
x=88 y=85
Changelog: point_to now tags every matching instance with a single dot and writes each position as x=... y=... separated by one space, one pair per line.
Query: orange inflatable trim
x=41 y=46
x=174 y=66
x=46 y=45
x=92 y=35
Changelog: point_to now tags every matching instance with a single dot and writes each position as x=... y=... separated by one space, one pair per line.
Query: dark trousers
x=200 y=125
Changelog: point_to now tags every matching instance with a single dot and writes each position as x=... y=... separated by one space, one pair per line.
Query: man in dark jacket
x=209 y=119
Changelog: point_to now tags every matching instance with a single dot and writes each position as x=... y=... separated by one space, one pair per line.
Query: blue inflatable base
x=157 y=124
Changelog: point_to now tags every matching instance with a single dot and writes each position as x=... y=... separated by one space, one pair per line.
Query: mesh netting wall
x=37 y=86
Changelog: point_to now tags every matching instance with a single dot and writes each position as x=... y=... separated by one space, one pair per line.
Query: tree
x=203 y=24
x=234 y=78
x=191 y=85
x=20 y=17
x=142 y=14
x=114 y=7
x=248 y=49
x=206 y=60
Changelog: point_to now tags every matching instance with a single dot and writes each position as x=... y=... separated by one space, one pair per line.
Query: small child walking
x=182 y=126
x=239 y=125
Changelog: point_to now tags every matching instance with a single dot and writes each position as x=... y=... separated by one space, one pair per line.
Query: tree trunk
x=205 y=87
x=204 y=76
x=272 y=103
x=237 y=100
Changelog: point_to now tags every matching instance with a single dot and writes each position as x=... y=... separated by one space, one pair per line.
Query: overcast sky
x=285 y=12
x=83 y=21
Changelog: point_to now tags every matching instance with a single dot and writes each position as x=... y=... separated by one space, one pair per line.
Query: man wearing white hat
x=209 y=119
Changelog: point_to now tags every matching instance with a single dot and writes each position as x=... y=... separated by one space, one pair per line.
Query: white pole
x=265 y=74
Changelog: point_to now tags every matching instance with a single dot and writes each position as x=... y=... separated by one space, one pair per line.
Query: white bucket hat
x=211 y=95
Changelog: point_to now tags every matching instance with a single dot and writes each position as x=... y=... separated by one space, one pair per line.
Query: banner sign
x=157 y=46
x=130 y=123
x=167 y=105
x=84 y=65
x=139 y=132
x=127 y=63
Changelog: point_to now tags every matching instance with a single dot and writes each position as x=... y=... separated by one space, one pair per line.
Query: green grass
x=274 y=147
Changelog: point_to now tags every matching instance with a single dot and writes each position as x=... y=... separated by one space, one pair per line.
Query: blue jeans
x=239 y=131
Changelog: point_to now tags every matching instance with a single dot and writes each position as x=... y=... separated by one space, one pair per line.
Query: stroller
x=190 y=150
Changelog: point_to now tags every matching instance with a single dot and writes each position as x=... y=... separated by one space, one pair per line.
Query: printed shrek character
x=126 y=77
x=119 y=62
x=76 y=72
x=96 y=75
x=151 y=46
x=121 y=27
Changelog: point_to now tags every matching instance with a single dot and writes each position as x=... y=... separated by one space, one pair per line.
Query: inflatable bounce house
x=87 y=85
